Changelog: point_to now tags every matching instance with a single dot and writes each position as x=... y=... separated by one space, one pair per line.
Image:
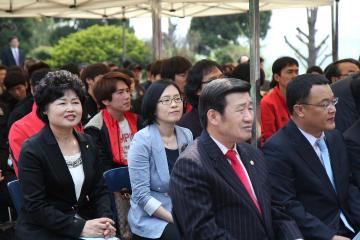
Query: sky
x=284 y=23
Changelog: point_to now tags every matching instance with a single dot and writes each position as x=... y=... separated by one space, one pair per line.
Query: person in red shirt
x=274 y=113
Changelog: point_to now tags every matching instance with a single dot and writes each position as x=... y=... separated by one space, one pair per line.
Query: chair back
x=117 y=179
x=16 y=194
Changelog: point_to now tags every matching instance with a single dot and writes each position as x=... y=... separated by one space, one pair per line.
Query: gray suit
x=149 y=177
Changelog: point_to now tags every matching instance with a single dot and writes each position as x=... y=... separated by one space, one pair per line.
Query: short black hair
x=37 y=75
x=13 y=37
x=71 y=67
x=127 y=72
x=93 y=70
x=155 y=68
x=299 y=89
x=194 y=79
x=242 y=71
x=2 y=67
x=14 y=78
x=36 y=66
x=315 y=69
x=355 y=89
x=332 y=70
x=214 y=93
x=174 y=65
x=151 y=98
x=52 y=87
x=282 y=63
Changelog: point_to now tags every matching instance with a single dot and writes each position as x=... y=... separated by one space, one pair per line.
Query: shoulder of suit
x=353 y=130
x=193 y=152
x=336 y=134
x=281 y=138
x=95 y=122
x=249 y=148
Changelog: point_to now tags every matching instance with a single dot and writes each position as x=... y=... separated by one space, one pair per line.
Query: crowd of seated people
x=61 y=129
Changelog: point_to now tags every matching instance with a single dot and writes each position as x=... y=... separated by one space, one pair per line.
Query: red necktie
x=231 y=155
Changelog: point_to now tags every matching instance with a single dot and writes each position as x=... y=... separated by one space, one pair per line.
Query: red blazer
x=274 y=113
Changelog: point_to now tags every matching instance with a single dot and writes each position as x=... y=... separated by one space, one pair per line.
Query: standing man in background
x=13 y=56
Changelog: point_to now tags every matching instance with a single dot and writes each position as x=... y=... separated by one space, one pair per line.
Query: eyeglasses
x=168 y=101
x=325 y=105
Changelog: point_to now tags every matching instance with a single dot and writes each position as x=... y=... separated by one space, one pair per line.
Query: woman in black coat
x=59 y=172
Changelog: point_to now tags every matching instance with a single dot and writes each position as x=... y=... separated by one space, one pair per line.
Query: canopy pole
x=335 y=30
x=156 y=23
x=123 y=35
x=255 y=64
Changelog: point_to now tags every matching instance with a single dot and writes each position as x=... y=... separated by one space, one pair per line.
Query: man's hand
x=337 y=237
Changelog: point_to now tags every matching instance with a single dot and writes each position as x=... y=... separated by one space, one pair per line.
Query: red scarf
x=115 y=134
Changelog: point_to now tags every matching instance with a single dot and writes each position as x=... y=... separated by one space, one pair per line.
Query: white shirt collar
x=312 y=140
x=223 y=149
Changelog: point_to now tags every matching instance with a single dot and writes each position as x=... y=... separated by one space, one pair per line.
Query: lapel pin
x=87 y=146
x=252 y=162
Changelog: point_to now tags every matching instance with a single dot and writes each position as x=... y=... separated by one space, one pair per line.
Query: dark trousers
x=171 y=232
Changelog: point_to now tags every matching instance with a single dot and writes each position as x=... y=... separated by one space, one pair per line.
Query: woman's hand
x=110 y=230
x=99 y=227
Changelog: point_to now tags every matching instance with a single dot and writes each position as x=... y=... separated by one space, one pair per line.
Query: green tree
x=219 y=31
x=229 y=53
x=64 y=27
x=98 y=44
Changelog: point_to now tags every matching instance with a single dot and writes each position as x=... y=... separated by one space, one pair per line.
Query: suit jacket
x=352 y=140
x=346 y=113
x=211 y=203
x=8 y=59
x=300 y=182
x=49 y=195
x=149 y=177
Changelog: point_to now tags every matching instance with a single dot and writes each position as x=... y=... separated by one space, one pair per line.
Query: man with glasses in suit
x=308 y=164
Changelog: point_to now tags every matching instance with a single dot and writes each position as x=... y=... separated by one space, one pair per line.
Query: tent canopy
x=140 y=8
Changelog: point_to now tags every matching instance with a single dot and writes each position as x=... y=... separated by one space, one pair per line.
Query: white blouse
x=74 y=163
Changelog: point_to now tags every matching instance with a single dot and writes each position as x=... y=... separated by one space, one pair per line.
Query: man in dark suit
x=352 y=135
x=219 y=185
x=308 y=164
x=13 y=55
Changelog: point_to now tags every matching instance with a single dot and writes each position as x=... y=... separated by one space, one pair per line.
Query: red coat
x=274 y=113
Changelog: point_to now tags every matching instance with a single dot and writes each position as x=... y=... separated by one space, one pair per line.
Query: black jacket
x=49 y=195
x=8 y=59
x=300 y=182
